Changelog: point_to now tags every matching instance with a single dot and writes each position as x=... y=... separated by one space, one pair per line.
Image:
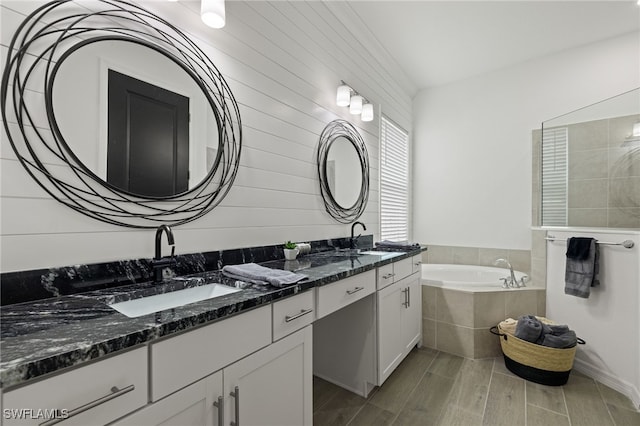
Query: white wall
x=608 y=319
x=472 y=152
x=283 y=62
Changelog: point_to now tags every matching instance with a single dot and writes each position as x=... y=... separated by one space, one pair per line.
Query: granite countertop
x=43 y=336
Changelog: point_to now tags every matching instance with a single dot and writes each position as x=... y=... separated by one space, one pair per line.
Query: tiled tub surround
x=76 y=328
x=458 y=322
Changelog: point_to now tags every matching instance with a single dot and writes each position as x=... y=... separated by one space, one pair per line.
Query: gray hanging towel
x=582 y=269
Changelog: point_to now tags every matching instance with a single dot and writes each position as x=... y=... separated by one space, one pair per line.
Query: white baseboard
x=605 y=378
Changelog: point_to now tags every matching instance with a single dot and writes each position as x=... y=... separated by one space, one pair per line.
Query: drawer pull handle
x=418 y=263
x=387 y=276
x=115 y=392
x=355 y=290
x=236 y=395
x=290 y=318
x=219 y=404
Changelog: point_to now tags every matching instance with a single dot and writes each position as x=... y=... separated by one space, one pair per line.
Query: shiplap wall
x=283 y=62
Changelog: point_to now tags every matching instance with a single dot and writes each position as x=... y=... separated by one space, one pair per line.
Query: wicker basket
x=533 y=362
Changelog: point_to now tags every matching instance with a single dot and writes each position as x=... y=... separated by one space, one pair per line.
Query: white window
x=554 y=176
x=394 y=182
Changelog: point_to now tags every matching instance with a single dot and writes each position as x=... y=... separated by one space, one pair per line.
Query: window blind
x=554 y=176
x=394 y=182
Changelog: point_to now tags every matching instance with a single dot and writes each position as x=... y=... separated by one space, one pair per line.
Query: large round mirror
x=135 y=119
x=168 y=154
x=343 y=170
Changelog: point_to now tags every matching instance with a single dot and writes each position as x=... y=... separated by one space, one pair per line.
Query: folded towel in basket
x=564 y=340
x=581 y=273
x=257 y=274
x=529 y=328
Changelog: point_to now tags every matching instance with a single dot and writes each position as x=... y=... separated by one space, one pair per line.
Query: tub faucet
x=353 y=240
x=159 y=263
x=513 y=282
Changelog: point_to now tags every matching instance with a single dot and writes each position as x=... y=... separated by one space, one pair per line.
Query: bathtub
x=468 y=278
x=460 y=303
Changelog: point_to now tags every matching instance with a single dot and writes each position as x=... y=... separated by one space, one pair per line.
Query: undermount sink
x=147 y=305
x=378 y=253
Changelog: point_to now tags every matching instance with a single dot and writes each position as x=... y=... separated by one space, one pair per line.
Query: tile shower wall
x=283 y=62
x=603 y=175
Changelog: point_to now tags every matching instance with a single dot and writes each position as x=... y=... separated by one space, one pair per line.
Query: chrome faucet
x=159 y=263
x=513 y=282
x=353 y=240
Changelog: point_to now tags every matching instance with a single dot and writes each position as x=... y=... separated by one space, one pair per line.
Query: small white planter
x=290 y=254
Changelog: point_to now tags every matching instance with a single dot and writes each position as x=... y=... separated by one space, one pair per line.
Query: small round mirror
x=343 y=169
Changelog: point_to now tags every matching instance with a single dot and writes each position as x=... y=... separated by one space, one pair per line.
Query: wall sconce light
x=367 y=112
x=347 y=96
x=212 y=13
x=343 y=98
x=355 y=107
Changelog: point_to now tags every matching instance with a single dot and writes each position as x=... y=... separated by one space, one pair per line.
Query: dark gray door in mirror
x=343 y=170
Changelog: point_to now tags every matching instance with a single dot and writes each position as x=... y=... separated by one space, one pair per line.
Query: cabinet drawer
x=181 y=360
x=416 y=262
x=337 y=295
x=116 y=385
x=292 y=314
x=402 y=269
x=385 y=276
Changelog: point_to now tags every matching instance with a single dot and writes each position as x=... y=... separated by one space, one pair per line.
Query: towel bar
x=626 y=243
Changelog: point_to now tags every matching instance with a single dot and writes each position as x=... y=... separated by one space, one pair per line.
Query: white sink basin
x=379 y=253
x=159 y=302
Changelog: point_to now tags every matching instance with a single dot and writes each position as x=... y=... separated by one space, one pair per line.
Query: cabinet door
x=391 y=302
x=412 y=314
x=272 y=386
x=191 y=406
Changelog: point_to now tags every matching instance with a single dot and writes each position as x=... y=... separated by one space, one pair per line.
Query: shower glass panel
x=590 y=165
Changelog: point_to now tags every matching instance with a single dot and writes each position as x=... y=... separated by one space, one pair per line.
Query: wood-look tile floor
x=435 y=388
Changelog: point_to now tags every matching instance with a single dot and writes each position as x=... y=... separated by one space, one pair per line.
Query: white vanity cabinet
x=94 y=394
x=272 y=386
x=198 y=404
x=399 y=306
x=230 y=371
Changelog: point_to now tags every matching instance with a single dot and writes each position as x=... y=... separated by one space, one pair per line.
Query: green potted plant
x=290 y=250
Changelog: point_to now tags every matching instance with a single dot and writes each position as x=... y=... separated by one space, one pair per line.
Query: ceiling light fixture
x=212 y=13
x=347 y=96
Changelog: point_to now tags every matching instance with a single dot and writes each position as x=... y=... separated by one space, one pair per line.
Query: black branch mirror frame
x=333 y=132
x=41 y=43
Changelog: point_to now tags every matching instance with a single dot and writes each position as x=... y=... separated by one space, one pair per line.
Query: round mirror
x=165 y=166
x=145 y=129
x=344 y=175
x=343 y=169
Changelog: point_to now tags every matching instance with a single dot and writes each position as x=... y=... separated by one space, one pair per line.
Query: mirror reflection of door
x=148 y=138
